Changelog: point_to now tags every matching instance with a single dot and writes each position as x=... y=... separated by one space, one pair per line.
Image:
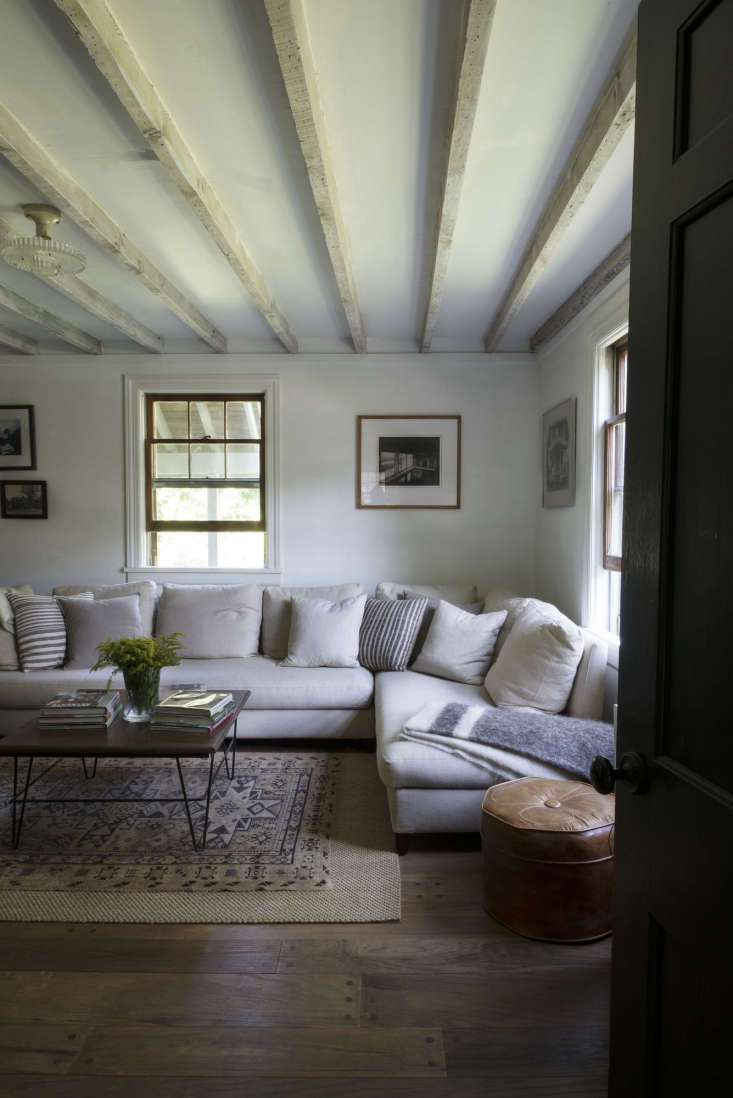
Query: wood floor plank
x=78 y=1086
x=216 y=1051
x=554 y=997
x=175 y=999
x=39 y=1048
x=422 y=954
x=523 y=1052
x=131 y=953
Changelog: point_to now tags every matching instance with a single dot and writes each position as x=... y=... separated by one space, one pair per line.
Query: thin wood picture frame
x=558 y=454
x=17 y=437
x=408 y=462
x=23 y=499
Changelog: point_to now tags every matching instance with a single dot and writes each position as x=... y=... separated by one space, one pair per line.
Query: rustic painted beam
x=40 y=169
x=474 y=45
x=614 y=263
x=292 y=42
x=116 y=59
x=83 y=295
x=18 y=342
x=609 y=118
x=69 y=333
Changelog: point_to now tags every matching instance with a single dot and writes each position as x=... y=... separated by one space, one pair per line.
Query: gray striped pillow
x=388 y=632
x=40 y=631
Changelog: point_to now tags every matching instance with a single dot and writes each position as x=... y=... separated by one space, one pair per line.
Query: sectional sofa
x=427 y=791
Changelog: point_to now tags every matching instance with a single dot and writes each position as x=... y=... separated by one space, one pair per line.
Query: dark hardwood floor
x=444 y=1004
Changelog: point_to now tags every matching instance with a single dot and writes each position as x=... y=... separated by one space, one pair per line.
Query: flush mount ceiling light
x=40 y=254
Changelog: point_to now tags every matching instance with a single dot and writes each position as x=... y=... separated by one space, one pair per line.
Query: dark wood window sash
x=154 y=526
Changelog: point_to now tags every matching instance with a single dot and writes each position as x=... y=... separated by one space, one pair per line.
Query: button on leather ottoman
x=548 y=858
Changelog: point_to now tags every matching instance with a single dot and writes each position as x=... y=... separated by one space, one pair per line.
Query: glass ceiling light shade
x=40 y=254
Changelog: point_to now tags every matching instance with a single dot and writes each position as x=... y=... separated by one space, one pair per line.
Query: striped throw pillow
x=388 y=632
x=40 y=631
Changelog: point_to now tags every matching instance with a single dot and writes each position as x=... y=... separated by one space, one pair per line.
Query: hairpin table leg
x=17 y=820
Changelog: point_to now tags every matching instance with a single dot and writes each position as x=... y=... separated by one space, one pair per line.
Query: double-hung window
x=615 y=451
x=205 y=499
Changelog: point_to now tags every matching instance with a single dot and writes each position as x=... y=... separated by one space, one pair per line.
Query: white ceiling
x=387 y=72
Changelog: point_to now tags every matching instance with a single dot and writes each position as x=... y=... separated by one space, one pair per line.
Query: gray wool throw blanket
x=489 y=736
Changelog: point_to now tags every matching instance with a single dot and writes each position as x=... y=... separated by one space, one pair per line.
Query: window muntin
x=205 y=480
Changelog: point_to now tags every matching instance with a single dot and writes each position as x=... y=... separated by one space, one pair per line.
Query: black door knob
x=632 y=769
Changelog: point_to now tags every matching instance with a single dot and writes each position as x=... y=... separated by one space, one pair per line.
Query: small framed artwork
x=558 y=455
x=408 y=461
x=23 y=499
x=17 y=437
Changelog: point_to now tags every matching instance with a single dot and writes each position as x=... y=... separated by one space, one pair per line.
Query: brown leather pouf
x=548 y=858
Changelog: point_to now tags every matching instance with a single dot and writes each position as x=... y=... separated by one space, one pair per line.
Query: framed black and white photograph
x=408 y=461
x=23 y=499
x=558 y=455
x=17 y=437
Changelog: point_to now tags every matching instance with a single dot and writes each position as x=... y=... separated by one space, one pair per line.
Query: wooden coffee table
x=120 y=741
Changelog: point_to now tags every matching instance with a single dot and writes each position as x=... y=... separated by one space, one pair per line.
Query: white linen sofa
x=427 y=789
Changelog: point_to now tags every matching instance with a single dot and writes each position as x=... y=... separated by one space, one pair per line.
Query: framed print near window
x=17 y=437
x=408 y=461
x=558 y=455
x=23 y=499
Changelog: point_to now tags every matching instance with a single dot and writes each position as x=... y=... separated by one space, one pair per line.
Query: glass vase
x=142 y=694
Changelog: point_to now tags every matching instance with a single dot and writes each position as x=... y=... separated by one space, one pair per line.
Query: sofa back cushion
x=388 y=632
x=324 y=633
x=217 y=622
x=91 y=621
x=537 y=663
x=40 y=630
x=145 y=589
x=459 y=644
x=459 y=594
x=276 y=612
x=587 y=696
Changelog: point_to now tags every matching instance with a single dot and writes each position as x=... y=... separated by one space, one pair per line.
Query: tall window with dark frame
x=615 y=449
x=205 y=479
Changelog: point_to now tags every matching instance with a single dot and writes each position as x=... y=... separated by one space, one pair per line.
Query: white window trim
x=136 y=389
x=614 y=329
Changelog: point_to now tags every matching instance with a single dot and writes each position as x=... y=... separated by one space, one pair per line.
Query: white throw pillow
x=459 y=644
x=323 y=633
x=146 y=590
x=276 y=607
x=7 y=620
x=89 y=622
x=217 y=621
x=537 y=664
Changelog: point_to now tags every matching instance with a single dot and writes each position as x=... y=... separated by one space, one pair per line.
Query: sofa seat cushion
x=404 y=765
x=272 y=686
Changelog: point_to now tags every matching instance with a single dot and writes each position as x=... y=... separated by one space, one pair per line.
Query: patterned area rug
x=294 y=837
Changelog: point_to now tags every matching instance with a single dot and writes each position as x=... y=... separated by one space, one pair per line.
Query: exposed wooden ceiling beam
x=292 y=42
x=18 y=342
x=82 y=294
x=609 y=118
x=69 y=333
x=474 y=44
x=115 y=58
x=40 y=169
x=614 y=263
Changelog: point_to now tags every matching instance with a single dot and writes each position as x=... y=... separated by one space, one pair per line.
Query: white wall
x=78 y=403
x=567 y=367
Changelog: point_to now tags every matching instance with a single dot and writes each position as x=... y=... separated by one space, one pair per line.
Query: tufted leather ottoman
x=548 y=858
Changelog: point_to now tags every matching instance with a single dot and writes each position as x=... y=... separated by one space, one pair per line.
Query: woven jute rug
x=294 y=838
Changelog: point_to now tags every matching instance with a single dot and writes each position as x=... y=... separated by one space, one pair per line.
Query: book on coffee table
x=193 y=710
x=80 y=709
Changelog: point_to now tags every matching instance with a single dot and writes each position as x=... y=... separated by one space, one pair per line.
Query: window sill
x=203 y=575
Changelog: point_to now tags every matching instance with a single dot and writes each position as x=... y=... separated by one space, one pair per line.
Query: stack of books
x=93 y=710
x=193 y=711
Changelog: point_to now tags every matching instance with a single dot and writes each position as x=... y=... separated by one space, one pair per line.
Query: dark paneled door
x=672 y=993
